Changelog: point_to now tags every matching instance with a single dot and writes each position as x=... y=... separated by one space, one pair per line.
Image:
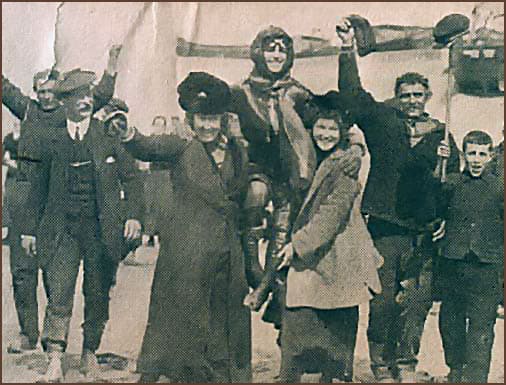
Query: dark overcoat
x=114 y=170
x=182 y=332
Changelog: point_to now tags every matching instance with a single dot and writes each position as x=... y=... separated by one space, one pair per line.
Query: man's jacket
x=114 y=170
x=474 y=213
x=397 y=169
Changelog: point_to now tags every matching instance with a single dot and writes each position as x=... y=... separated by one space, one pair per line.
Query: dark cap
x=329 y=105
x=114 y=107
x=203 y=93
x=74 y=80
x=449 y=27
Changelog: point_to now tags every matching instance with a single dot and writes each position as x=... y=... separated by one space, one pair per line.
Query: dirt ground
x=123 y=336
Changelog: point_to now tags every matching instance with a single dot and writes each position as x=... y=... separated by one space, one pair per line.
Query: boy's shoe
x=21 y=344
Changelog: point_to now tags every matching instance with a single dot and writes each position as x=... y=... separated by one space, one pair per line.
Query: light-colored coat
x=336 y=263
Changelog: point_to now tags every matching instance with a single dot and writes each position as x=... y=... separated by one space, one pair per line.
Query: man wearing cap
x=36 y=117
x=404 y=143
x=198 y=330
x=75 y=205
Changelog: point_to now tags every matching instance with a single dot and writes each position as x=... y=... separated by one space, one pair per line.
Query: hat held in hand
x=113 y=108
x=203 y=93
x=364 y=34
x=450 y=27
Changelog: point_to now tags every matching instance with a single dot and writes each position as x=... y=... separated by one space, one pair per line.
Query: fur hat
x=203 y=93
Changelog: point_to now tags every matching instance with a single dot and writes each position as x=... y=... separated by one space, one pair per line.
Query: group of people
x=268 y=160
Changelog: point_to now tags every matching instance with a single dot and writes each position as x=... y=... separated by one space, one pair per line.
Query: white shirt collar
x=83 y=126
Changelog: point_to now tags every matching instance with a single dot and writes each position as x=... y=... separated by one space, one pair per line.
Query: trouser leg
x=99 y=273
x=291 y=368
x=24 y=270
x=452 y=316
x=483 y=285
x=59 y=275
x=384 y=314
x=414 y=314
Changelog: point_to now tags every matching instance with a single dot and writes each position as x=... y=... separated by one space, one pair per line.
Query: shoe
x=406 y=373
x=54 y=372
x=455 y=376
x=148 y=378
x=21 y=344
x=383 y=374
x=89 y=366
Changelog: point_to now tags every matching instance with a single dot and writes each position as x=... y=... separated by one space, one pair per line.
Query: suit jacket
x=474 y=214
x=35 y=125
x=114 y=170
x=336 y=262
x=203 y=227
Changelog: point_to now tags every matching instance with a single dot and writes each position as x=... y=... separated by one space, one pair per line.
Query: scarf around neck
x=273 y=103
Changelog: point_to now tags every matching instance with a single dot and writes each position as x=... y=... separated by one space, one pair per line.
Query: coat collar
x=325 y=168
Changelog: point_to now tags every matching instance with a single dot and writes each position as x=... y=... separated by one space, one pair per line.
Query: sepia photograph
x=252 y=192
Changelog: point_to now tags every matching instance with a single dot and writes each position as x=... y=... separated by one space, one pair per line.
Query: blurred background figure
x=24 y=267
x=157 y=183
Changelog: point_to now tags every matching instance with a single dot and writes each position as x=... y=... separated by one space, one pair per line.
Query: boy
x=472 y=259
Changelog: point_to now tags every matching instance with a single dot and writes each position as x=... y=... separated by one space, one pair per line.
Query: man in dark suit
x=472 y=263
x=75 y=205
x=198 y=330
x=36 y=116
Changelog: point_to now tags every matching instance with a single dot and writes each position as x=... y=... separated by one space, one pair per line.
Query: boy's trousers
x=470 y=291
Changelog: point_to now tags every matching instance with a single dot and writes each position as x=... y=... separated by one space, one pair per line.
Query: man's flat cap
x=74 y=80
x=449 y=27
x=203 y=93
x=114 y=107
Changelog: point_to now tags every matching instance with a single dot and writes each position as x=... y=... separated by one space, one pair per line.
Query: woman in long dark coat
x=198 y=330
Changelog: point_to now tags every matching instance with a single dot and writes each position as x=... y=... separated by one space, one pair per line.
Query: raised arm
x=330 y=219
x=360 y=103
x=104 y=90
x=14 y=99
x=153 y=148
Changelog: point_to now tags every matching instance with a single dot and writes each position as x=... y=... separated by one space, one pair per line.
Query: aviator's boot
x=254 y=271
x=278 y=239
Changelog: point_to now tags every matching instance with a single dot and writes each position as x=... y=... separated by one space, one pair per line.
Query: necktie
x=78 y=135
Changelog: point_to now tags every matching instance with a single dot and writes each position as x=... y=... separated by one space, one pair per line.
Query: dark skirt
x=314 y=340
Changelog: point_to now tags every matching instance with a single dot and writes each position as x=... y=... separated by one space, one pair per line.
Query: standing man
x=75 y=204
x=36 y=118
x=23 y=266
x=198 y=330
x=403 y=140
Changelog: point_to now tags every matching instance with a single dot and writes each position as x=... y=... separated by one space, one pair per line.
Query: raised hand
x=345 y=31
x=112 y=64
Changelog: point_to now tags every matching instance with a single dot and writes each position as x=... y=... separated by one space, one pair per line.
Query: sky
x=28 y=34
